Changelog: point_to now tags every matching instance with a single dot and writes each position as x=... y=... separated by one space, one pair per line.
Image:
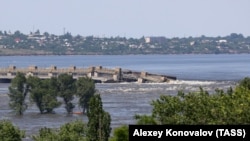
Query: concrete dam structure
x=97 y=73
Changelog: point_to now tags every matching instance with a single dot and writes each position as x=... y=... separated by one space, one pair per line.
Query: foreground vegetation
x=222 y=107
x=230 y=107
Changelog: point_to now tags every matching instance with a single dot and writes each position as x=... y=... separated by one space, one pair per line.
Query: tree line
x=44 y=93
x=38 y=43
x=222 y=107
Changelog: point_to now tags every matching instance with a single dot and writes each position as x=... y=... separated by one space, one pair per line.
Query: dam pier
x=98 y=73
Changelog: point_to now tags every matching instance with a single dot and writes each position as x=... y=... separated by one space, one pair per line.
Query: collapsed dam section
x=98 y=73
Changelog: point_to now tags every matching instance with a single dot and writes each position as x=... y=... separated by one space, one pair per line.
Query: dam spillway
x=99 y=74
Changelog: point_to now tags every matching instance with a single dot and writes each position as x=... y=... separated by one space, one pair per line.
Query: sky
x=127 y=18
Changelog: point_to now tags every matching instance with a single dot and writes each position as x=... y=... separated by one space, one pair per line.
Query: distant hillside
x=36 y=43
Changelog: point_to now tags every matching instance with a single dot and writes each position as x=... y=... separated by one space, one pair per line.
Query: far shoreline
x=3 y=55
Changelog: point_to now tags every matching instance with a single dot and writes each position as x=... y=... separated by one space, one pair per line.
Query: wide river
x=124 y=100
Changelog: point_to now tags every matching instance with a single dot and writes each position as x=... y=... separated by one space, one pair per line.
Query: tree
x=145 y=119
x=120 y=133
x=36 y=92
x=43 y=93
x=46 y=34
x=85 y=90
x=98 y=120
x=231 y=107
x=52 y=94
x=72 y=131
x=18 y=91
x=9 y=132
x=166 y=109
x=66 y=90
x=37 y=32
x=245 y=83
x=47 y=134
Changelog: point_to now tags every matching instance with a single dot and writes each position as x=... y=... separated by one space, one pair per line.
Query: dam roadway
x=98 y=73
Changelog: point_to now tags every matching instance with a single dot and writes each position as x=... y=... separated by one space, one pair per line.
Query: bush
x=9 y=132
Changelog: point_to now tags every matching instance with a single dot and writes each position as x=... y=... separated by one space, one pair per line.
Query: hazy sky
x=129 y=18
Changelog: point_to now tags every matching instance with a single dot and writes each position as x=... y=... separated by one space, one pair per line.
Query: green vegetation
x=73 y=131
x=231 y=107
x=99 y=120
x=43 y=93
x=17 y=93
x=120 y=133
x=85 y=90
x=66 y=90
x=201 y=107
x=97 y=128
x=36 y=43
x=9 y=132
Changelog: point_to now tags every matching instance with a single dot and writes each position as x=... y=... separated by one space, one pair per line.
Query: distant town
x=37 y=43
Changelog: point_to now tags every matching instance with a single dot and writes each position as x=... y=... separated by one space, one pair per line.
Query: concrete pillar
x=164 y=79
x=116 y=77
x=71 y=71
x=72 y=68
x=96 y=74
x=12 y=68
x=32 y=68
x=90 y=74
x=53 y=68
x=144 y=74
x=140 y=80
x=91 y=71
x=118 y=74
x=52 y=74
x=9 y=74
x=99 y=67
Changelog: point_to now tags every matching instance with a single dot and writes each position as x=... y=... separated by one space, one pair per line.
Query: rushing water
x=124 y=100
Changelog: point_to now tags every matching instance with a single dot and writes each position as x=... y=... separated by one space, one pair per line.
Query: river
x=124 y=100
